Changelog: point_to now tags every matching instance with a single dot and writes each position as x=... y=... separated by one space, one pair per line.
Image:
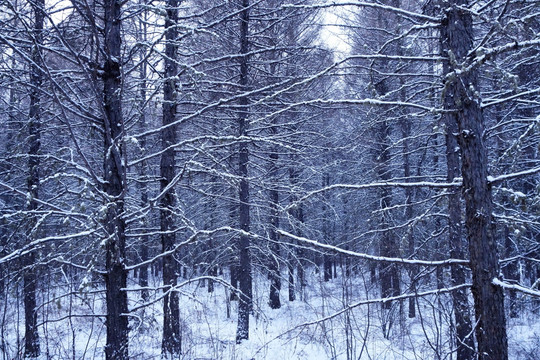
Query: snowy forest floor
x=69 y=328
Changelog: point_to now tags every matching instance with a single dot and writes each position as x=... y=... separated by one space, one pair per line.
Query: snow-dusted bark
x=244 y=269
x=457 y=36
x=115 y=186
x=275 y=275
x=171 y=342
x=464 y=338
x=31 y=344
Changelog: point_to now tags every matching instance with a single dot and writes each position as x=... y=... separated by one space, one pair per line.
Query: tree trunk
x=275 y=276
x=115 y=183
x=290 y=270
x=244 y=273
x=326 y=232
x=457 y=40
x=327 y=265
x=406 y=132
x=143 y=188
x=171 y=342
x=465 y=340
x=297 y=213
x=31 y=344
x=388 y=247
x=511 y=272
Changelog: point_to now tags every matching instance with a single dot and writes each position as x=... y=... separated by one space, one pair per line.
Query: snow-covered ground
x=292 y=332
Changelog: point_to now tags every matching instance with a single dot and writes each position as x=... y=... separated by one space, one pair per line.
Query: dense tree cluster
x=151 y=145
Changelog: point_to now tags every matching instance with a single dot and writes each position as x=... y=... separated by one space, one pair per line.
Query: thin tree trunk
x=457 y=40
x=171 y=341
x=327 y=265
x=143 y=188
x=297 y=212
x=326 y=258
x=244 y=273
x=511 y=272
x=290 y=270
x=275 y=276
x=389 y=273
x=233 y=268
x=406 y=132
x=115 y=279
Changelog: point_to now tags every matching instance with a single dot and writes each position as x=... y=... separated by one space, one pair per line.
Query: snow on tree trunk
x=114 y=186
x=171 y=342
x=464 y=338
x=31 y=343
x=275 y=276
x=457 y=39
x=244 y=270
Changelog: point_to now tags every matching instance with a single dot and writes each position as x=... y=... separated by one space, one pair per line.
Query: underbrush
x=321 y=326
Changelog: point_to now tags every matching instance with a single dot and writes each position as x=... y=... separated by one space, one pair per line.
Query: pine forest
x=270 y=179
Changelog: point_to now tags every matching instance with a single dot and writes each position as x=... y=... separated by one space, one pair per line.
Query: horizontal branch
x=490 y=102
x=517 y=287
x=339 y=250
x=34 y=245
x=497 y=179
x=425 y=184
x=325 y=5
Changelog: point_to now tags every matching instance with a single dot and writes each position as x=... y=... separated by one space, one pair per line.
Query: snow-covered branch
x=339 y=250
x=516 y=287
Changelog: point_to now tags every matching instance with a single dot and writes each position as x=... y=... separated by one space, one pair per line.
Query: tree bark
x=275 y=276
x=511 y=272
x=464 y=336
x=31 y=344
x=142 y=185
x=297 y=212
x=389 y=273
x=406 y=132
x=457 y=40
x=244 y=271
x=171 y=342
x=290 y=271
x=115 y=184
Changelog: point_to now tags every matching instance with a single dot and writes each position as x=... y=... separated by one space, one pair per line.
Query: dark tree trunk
x=464 y=338
x=406 y=132
x=511 y=273
x=457 y=40
x=143 y=188
x=143 y=271
x=244 y=273
x=12 y=128
x=297 y=213
x=171 y=342
x=212 y=271
x=326 y=259
x=31 y=339
x=31 y=343
x=275 y=276
x=327 y=265
x=290 y=270
x=234 y=279
x=115 y=279
x=388 y=247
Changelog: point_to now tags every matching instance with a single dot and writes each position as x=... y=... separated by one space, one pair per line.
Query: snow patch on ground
x=209 y=330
